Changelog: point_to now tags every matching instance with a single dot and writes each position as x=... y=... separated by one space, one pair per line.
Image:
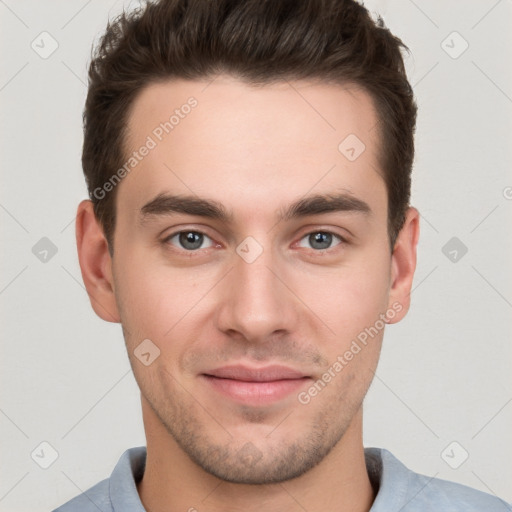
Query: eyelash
x=166 y=240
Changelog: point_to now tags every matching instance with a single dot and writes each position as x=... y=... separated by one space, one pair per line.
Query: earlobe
x=403 y=264
x=95 y=263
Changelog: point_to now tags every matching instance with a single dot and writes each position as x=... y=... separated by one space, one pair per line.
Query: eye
x=320 y=240
x=188 y=240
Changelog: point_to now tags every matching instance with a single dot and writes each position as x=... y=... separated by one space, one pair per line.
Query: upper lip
x=264 y=374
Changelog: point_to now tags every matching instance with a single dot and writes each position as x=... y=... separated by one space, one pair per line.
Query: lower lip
x=256 y=393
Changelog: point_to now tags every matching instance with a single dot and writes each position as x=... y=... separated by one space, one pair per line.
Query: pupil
x=322 y=239
x=190 y=240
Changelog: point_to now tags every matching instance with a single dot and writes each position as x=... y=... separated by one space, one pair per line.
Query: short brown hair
x=259 y=42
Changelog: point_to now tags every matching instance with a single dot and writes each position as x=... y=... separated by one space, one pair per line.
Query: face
x=251 y=304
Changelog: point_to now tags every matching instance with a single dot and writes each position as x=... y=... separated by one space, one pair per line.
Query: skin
x=255 y=150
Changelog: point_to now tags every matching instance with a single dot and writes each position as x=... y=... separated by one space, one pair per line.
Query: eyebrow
x=165 y=204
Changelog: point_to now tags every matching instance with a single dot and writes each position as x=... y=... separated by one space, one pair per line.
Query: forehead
x=309 y=111
x=251 y=145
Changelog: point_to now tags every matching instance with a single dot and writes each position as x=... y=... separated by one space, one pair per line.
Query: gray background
x=444 y=376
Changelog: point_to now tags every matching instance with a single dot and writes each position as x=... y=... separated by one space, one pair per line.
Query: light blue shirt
x=399 y=489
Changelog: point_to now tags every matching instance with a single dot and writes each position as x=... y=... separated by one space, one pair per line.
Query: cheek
x=168 y=308
x=144 y=300
x=351 y=299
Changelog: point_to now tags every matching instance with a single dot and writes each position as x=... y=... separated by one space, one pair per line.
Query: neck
x=172 y=482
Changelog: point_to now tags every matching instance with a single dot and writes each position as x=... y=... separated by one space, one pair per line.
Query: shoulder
x=410 y=491
x=119 y=492
x=445 y=495
x=94 y=499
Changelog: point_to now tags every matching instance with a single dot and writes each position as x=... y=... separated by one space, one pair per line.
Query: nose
x=257 y=301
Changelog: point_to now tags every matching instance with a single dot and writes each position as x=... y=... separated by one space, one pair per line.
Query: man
x=248 y=164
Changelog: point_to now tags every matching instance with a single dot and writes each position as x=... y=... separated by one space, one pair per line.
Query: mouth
x=255 y=386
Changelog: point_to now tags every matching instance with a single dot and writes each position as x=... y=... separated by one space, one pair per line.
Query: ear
x=95 y=263
x=403 y=265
